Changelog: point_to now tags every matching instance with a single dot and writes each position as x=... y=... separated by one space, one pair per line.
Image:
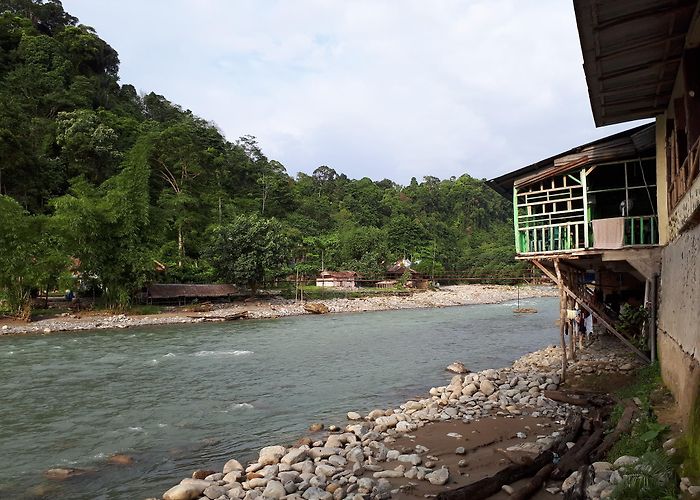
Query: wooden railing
x=552 y=238
x=643 y=230
x=682 y=176
x=570 y=236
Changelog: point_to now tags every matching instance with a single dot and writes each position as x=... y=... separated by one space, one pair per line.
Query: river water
x=182 y=397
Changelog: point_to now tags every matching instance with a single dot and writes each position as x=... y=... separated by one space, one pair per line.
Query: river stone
x=374 y=414
x=315 y=493
x=439 y=477
x=569 y=482
x=457 y=367
x=232 y=465
x=184 y=492
x=388 y=421
x=274 y=490
x=337 y=460
x=624 y=461
x=487 y=387
x=355 y=455
x=455 y=384
x=358 y=429
x=412 y=459
x=404 y=426
x=413 y=405
x=61 y=473
x=233 y=476
x=388 y=473
x=294 y=456
x=365 y=484
x=271 y=455
x=323 y=452
x=469 y=390
x=336 y=441
x=353 y=415
x=214 y=491
x=258 y=482
x=324 y=470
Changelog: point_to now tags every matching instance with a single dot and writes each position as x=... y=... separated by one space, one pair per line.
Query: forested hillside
x=123 y=188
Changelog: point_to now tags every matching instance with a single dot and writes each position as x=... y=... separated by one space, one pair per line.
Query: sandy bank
x=276 y=307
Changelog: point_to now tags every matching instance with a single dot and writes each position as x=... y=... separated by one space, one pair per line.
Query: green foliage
x=248 y=249
x=646 y=433
x=653 y=432
x=93 y=171
x=632 y=319
x=652 y=478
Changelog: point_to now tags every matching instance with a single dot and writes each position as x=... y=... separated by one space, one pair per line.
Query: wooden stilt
x=597 y=316
x=562 y=318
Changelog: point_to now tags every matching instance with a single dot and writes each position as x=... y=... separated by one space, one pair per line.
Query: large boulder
x=457 y=367
x=232 y=465
x=439 y=477
x=294 y=455
x=274 y=490
x=487 y=387
x=185 y=491
x=271 y=455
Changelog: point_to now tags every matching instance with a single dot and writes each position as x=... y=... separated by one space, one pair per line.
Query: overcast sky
x=377 y=88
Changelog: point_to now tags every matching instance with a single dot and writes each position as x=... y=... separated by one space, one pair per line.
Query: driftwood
x=316 y=308
x=583 y=480
x=573 y=426
x=488 y=486
x=492 y=484
x=225 y=317
x=623 y=425
x=576 y=458
x=534 y=484
x=579 y=398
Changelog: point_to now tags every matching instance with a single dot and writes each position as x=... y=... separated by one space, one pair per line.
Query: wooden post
x=597 y=316
x=562 y=318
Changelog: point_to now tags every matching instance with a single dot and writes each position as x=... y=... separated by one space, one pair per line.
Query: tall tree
x=248 y=249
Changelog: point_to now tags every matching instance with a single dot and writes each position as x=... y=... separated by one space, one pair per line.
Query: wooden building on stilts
x=588 y=219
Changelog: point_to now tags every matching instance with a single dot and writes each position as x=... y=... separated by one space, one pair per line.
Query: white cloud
x=378 y=88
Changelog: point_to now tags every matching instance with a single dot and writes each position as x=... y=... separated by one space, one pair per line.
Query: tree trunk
x=180 y=246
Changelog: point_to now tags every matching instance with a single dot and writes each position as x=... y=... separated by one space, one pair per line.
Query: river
x=183 y=397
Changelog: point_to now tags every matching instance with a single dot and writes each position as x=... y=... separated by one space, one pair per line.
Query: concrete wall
x=679 y=318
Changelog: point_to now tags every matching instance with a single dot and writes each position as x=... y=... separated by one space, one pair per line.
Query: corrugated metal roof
x=339 y=274
x=621 y=146
x=631 y=54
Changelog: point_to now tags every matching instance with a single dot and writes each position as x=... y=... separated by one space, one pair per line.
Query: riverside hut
x=337 y=279
x=175 y=293
x=618 y=219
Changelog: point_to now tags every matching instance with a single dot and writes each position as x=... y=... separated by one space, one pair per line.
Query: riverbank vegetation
x=115 y=188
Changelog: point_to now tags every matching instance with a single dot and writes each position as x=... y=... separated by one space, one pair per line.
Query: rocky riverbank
x=388 y=452
x=276 y=307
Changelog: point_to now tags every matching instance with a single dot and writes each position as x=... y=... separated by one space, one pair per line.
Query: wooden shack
x=175 y=293
x=588 y=219
x=337 y=279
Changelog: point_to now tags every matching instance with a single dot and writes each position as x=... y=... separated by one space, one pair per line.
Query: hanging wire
x=646 y=185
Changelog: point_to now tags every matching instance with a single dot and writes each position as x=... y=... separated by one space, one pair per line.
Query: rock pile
x=597 y=359
x=359 y=461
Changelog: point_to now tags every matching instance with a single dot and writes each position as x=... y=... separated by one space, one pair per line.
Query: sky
x=378 y=88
